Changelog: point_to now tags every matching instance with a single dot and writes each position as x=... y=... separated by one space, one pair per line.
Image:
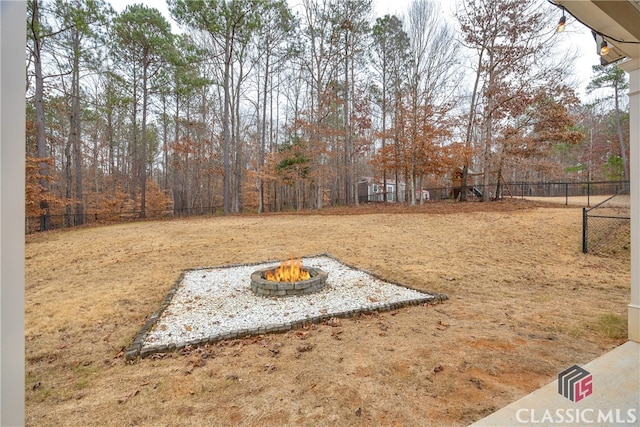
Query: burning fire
x=288 y=271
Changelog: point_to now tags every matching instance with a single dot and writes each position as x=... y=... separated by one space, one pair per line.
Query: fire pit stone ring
x=269 y=288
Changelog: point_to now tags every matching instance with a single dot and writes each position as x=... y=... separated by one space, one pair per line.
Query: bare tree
x=510 y=39
x=390 y=55
x=79 y=43
x=144 y=35
x=433 y=79
x=610 y=76
x=273 y=41
x=38 y=35
x=227 y=23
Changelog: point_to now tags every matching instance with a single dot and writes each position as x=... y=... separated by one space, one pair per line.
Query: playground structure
x=475 y=190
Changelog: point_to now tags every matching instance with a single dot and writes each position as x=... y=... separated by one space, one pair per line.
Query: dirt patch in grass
x=524 y=304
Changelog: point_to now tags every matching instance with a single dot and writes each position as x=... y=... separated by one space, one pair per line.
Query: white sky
x=576 y=36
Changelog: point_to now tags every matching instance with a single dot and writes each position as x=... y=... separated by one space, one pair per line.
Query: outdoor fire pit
x=289 y=279
x=212 y=304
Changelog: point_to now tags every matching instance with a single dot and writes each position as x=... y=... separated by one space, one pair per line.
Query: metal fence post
x=584 y=230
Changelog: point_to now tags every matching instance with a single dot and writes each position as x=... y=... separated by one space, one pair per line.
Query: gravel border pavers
x=212 y=304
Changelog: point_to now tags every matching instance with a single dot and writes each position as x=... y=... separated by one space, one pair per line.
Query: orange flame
x=288 y=271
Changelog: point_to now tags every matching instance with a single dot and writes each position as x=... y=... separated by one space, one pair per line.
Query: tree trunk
x=623 y=148
x=238 y=145
x=472 y=110
x=263 y=136
x=488 y=135
x=226 y=134
x=347 y=127
x=143 y=143
x=75 y=129
x=134 y=173
x=41 y=141
x=176 y=187
x=110 y=132
x=68 y=184
x=165 y=145
x=384 y=123
x=487 y=162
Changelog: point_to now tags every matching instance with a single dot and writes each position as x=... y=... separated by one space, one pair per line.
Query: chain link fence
x=34 y=224
x=568 y=193
x=606 y=227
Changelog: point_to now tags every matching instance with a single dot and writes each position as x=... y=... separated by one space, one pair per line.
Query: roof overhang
x=616 y=22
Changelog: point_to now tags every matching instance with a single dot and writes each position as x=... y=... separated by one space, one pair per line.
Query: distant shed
x=372 y=190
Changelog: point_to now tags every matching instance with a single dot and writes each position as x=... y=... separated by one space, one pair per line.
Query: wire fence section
x=35 y=224
x=586 y=193
x=606 y=227
x=568 y=193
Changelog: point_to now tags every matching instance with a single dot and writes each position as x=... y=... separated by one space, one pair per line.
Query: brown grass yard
x=524 y=304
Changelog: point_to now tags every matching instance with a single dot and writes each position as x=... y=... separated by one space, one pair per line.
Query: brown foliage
x=112 y=204
x=158 y=202
x=34 y=193
x=546 y=124
x=422 y=144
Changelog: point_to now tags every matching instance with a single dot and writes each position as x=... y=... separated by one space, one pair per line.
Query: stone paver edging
x=138 y=348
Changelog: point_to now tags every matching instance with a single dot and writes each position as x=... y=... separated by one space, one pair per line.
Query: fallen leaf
x=305 y=348
x=477 y=383
x=333 y=322
x=129 y=396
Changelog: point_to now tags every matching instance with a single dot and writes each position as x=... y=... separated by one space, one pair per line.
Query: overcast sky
x=576 y=37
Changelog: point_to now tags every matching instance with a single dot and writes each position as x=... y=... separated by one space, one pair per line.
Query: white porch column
x=12 y=171
x=632 y=67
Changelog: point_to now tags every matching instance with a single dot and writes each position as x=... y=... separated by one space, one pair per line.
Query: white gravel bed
x=218 y=301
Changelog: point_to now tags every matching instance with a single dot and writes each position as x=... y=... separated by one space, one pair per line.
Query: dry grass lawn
x=524 y=304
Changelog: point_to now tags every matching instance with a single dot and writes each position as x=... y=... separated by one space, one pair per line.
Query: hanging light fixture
x=562 y=23
x=604 y=48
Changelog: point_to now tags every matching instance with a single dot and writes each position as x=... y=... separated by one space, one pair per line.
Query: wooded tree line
x=253 y=105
